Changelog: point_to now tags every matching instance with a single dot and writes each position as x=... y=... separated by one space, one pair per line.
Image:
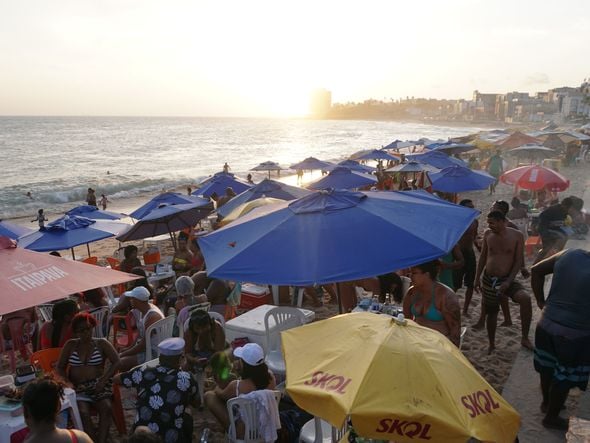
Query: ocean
x=58 y=158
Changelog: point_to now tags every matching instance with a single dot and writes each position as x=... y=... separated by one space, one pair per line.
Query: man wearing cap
x=163 y=394
x=149 y=314
x=255 y=376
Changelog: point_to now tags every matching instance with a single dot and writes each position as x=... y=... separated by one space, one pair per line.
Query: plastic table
x=9 y=424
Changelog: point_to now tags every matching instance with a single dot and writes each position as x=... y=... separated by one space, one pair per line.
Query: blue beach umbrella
x=167 y=219
x=311 y=163
x=412 y=167
x=355 y=166
x=166 y=198
x=398 y=144
x=335 y=236
x=374 y=154
x=266 y=188
x=219 y=183
x=13 y=231
x=93 y=213
x=70 y=231
x=438 y=159
x=451 y=148
x=460 y=179
x=343 y=178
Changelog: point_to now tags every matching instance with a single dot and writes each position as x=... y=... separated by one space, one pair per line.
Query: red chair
x=47 y=358
x=91 y=260
x=124 y=337
x=113 y=263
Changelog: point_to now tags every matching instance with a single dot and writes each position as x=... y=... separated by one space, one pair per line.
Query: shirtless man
x=501 y=257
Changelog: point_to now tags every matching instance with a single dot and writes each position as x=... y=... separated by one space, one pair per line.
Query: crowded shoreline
x=494 y=367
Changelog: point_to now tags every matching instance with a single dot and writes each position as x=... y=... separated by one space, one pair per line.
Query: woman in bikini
x=86 y=357
x=41 y=404
x=432 y=304
x=182 y=261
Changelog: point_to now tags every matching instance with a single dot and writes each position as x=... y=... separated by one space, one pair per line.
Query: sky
x=263 y=58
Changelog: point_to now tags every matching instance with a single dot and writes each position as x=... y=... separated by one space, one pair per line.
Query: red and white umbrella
x=30 y=278
x=535 y=178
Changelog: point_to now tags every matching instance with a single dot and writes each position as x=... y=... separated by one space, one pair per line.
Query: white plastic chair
x=463 y=331
x=284 y=318
x=100 y=314
x=46 y=312
x=248 y=415
x=317 y=430
x=160 y=330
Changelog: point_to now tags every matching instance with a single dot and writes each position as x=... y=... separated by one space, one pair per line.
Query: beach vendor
x=562 y=336
x=164 y=393
x=499 y=262
x=148 y=315
x=254 y=375
x=85 y=358
x=431 y=303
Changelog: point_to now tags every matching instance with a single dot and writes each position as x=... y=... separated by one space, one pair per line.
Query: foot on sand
x=556 y=423
x=478 y=326
x=491 y=349
x=526 y=343
x=506 y=323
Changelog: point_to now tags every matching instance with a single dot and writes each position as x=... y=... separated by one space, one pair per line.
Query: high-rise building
x=321 y=103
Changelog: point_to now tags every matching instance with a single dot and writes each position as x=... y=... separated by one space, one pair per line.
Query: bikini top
x=433 y=314
x=94 y=360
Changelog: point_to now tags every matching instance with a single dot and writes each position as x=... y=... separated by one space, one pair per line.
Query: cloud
x=537 y=78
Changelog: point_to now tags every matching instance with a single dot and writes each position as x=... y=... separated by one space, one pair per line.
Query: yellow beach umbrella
x=243 y=209
x=395 y=379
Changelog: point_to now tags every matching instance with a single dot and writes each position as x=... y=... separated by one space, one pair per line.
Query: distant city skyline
x=264 y=58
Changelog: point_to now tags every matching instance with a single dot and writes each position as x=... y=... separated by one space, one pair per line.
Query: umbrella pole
x=269 y=174
x=88 y=249
x=339 y=299
x=73 y=255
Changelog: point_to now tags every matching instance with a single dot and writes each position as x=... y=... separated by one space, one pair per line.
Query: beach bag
x=235 y=296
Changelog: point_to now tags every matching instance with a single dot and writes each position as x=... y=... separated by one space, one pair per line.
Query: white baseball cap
x=171 y=346
x=251 y=353
x=139 y=293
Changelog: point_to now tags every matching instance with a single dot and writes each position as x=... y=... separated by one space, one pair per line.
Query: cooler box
x=151 y=256
x=251 y=325
x=254 y=295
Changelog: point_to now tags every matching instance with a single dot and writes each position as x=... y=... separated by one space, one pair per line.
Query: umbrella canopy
x=13 y=231
x=515 y=140
x=460 y=179
x=535 y=178
x=219 y=183
x=564 y=136
x=247 y=207
x=395 y=379
x=553 y=141
x=397 y=144
x=166 y=198
x=343 y=178
x=439 y=159
x=93 y=213
x=412 y=167
x=355 y=166
x=452 y=148
x=266 y=188
x=311 y=163
x=532 y=151
x=29 y=278
x=374 y=154
x=267 y=166
x=70 y=231
x=167 y=219
x=334 y=236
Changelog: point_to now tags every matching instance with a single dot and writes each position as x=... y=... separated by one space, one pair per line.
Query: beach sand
x=495 y=368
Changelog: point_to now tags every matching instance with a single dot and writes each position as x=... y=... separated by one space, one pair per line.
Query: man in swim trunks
x=501 y=258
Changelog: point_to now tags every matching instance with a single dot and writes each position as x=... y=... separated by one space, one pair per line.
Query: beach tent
x=12 y=230
x=335 y=236
x=219 y=183
x=374 y=154
x=515 y=140
x=70 y=231
x=166 y=198
x=343 y=178
x=439 y=159
x=535 y=178
x=456 y=179
x=394 y=379
x=268 y=166
x=167 y=219
x=310 y=163
x=30 y=278
x=266 y=188
x=93 y=213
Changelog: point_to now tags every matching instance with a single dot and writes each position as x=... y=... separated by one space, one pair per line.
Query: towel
x=267 y=410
